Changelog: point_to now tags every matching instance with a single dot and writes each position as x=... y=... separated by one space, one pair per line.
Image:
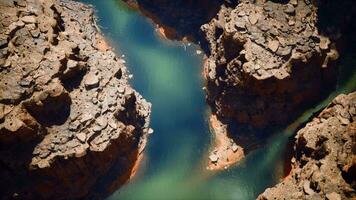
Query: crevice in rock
x=281 y=1
x=59 y=26
x=350 y=175
x=232 y=48
x=53 y=111
x=73 y=80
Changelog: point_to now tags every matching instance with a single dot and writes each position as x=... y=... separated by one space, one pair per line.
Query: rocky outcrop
x=70 y=124
x=324 y=163
x=267 y=63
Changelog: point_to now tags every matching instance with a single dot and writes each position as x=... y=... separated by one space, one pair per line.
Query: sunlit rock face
x=70 y=125
x=267 y=62
x=323 y=166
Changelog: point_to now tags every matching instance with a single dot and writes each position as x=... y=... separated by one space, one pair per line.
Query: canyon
x=268 y=61
x=72 y=126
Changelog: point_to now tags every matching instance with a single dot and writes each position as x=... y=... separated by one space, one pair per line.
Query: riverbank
x=224 y=151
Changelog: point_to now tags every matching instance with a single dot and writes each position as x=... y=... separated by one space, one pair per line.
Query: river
x=168 y=74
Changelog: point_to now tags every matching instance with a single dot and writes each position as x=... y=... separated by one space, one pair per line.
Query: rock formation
x=324 y=164
x=70 y=125
x=267 y=63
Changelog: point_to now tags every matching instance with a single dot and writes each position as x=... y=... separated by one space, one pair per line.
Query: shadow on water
x=168 y=74
x=182 y=18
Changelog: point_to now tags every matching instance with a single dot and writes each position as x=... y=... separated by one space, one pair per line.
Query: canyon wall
x=70 y=124
x=324 y=164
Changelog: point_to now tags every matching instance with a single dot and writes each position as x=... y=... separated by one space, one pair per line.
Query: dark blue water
x=168 y=74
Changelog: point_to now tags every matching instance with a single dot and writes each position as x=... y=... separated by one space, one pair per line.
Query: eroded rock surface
x=70 y=125
x=324 y=165
x=267 y=62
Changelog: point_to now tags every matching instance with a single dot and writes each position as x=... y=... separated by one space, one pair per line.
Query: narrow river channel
x=168 y=74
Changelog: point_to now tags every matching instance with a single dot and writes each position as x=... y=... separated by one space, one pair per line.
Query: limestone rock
x=92 y=81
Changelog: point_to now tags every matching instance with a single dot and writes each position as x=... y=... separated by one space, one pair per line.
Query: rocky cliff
x=268 y=62
x=70 y=124
x=324 y=164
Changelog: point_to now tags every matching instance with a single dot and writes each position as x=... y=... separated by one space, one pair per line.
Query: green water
x=168 y=74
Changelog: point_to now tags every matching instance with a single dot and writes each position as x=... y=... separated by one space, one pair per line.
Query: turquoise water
x=168 y=74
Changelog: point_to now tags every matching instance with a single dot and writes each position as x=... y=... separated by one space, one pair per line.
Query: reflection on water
x=168 y=74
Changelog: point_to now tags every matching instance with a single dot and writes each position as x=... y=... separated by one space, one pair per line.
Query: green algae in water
x=168 y=74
